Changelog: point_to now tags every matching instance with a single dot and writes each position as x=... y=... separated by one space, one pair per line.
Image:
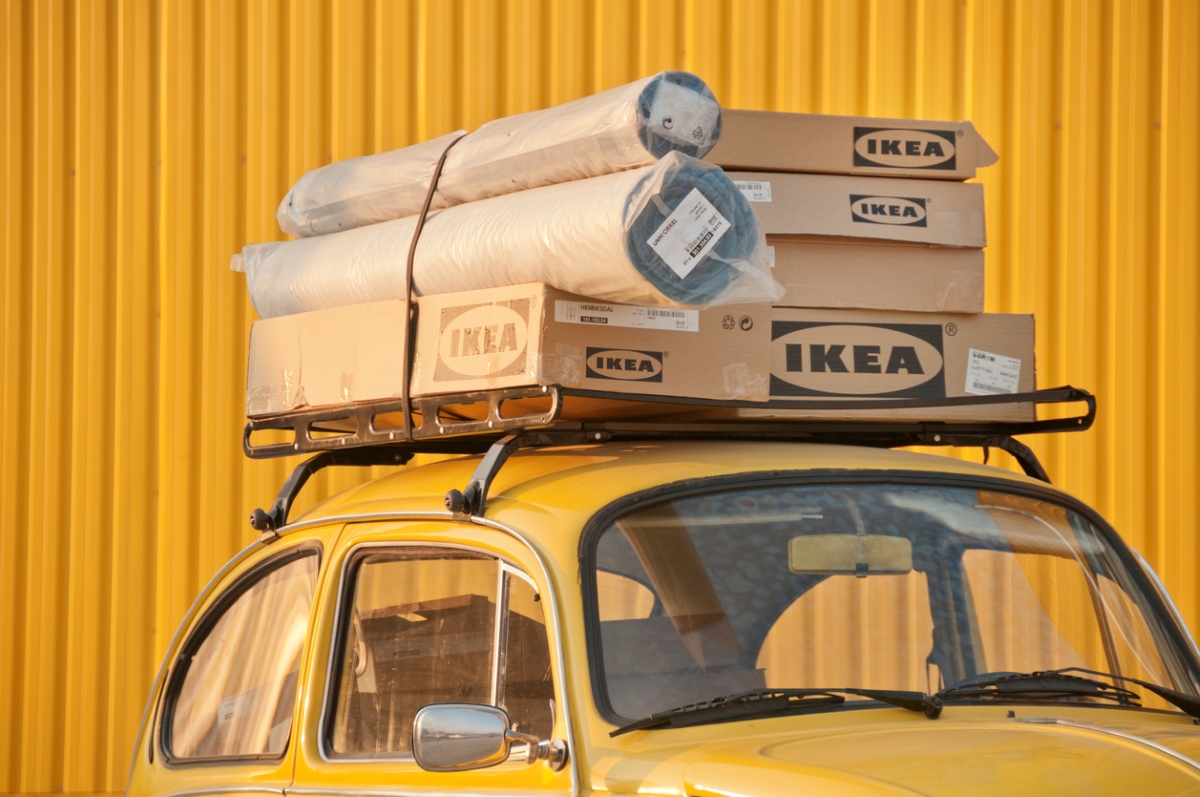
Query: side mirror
x=451 y=737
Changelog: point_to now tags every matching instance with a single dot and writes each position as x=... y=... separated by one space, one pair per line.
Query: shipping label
x=626 y=315
x=989 y=374
x=689 y=233
x=755 y=191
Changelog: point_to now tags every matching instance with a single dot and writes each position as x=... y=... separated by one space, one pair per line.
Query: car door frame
x=316 y=772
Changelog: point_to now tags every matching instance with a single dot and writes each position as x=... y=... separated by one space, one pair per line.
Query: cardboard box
x=798 y=142
x=915 y=211
x=326 y=357
x=863 y=354
x=877 y=275
x=531 y=334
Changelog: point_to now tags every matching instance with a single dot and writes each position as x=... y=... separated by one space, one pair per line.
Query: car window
x=877 y=586
x=527 y=690
x=425 y=625
x=238 y=688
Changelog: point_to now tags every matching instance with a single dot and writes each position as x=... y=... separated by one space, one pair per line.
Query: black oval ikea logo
x=896 y=210
x=625 y=364
x=904 y=149
x=855 y=359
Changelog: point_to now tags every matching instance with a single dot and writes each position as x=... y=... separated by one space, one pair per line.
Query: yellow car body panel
x=539 y=504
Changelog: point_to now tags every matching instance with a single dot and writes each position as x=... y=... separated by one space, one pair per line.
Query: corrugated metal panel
x=145 y=141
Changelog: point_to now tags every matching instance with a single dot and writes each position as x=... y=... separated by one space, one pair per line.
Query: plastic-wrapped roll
x=676 y=233
x=623 y=128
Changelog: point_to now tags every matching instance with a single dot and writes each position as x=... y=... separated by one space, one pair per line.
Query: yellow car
x=675 y=617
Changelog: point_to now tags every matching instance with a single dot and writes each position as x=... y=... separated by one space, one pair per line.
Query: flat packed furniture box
x=771 y=141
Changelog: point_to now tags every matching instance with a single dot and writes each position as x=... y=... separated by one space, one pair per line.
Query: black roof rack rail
x=358 y=434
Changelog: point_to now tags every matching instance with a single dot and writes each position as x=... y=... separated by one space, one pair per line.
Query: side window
x=527 y=689
x=237 y=676
x=433 y=625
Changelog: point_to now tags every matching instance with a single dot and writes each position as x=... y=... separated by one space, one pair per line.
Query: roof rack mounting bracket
x=472 y=500
x=269 y=521
x=1021 y=452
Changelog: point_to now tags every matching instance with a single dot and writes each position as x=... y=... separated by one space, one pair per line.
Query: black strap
x=410 y=305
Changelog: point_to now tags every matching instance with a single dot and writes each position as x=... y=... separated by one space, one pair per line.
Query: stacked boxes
x=880 y=246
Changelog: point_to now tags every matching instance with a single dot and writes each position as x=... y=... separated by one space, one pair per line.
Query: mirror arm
x=554 y=752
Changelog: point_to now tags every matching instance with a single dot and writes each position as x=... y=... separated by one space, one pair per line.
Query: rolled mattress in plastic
x=623 y=128
x=676 y=233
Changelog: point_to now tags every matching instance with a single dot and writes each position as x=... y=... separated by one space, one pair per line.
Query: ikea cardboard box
x=325 y=358
x=932 y=212
x=798 y=142
x=532 y=334
x=862 y=354
x=848 y=273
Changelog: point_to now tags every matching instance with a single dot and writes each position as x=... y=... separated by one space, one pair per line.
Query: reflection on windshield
x=874 y=586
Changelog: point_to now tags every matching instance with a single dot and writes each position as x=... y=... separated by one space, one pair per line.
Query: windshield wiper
x=1188 y=704
x=1051 y=684
x=1057 y=683
x=757 y=702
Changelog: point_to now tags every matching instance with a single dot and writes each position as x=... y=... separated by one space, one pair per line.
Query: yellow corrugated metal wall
x=144 y=142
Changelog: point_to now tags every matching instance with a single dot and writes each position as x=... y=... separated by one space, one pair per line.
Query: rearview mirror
x=451 y=737
x=850 y=554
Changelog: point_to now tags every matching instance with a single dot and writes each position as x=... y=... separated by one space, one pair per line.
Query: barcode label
x=754 y=191
x=688 y=235
x=991 y=374
x=626 y=315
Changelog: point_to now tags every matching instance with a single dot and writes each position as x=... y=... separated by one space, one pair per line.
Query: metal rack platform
x=373 y=433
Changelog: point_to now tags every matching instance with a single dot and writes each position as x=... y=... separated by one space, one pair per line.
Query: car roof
x=572 y=483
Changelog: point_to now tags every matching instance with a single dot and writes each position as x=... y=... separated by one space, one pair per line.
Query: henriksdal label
x=771 y=254
x=689 y=233
x=626 y=315
x=754 y=191
x=989 y=374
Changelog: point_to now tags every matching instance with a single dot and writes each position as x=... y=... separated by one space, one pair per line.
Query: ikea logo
x=898 y=210
x=838 y=359
x=482 y=340
x=625 y=364
x=904 y=149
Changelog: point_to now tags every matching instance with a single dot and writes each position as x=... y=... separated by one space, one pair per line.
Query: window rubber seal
x=664 y=493
x=200 y=631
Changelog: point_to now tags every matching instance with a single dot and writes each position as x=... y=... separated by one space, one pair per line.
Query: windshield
x=877 y=586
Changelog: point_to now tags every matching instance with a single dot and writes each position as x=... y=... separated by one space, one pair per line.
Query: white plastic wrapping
x=623 y=128
x=678 y=233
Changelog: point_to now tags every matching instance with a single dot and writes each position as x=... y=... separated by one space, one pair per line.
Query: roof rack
x=383 y=432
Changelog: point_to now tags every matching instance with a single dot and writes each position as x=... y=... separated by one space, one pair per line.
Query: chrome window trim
x=366 y=517
x=504 y=567
x=255 y=573
x=559 y=636
x=1100 y=729
x=1166 y=598
x=331 y=688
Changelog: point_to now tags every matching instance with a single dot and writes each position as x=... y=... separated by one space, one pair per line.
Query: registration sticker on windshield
x=991 y=374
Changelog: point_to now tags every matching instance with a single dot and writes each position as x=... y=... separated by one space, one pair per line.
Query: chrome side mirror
x=451 y=737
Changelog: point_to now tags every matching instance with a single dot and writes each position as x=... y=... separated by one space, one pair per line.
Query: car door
x=416 y=613
x=222 y=720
